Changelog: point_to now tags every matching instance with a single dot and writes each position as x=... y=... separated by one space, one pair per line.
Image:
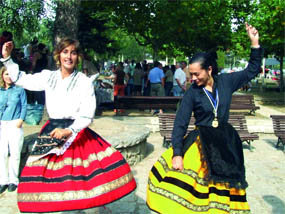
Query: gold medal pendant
x=215 y=123
x=215 y=104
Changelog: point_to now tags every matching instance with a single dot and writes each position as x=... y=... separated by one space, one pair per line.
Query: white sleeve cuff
x=79 y=124
x=12 y=68
x=5 y=60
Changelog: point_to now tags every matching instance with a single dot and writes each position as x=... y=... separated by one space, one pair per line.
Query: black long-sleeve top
x=195 y=100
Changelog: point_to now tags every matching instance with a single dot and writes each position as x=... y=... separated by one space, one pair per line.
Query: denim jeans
x=177 y=91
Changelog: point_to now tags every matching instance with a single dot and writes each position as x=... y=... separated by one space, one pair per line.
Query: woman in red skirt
x=70 y=167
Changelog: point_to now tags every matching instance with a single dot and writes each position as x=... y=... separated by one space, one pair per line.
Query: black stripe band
x=190 y=189
x=73 y=178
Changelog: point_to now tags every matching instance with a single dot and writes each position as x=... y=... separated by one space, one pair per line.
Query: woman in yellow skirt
x=204 y=172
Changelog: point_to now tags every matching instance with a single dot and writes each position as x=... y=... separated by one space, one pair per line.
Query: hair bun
x=212 y=55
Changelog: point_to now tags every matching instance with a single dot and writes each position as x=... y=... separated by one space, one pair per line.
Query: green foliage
x=19 y=16
x=160 y=28
x=92 y=31
x=128 y=46
x=221 y=59
x=269 y=19
x=172 y=27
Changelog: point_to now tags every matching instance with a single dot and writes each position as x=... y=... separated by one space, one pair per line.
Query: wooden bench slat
x=239 y=102
x=166 y=123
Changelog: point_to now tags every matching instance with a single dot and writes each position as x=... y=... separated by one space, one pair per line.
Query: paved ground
x=265 y=174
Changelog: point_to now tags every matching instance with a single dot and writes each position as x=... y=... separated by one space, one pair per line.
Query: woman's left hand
x=60 y=133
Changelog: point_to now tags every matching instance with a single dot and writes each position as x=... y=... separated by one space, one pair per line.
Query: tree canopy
x=167 y=28
x=21 y=17
x=269 y=18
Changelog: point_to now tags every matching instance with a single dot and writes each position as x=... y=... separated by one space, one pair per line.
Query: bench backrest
x=243 y=101
x=146 y=102
x=166 y=123
x=278 y=124
x=239 y=102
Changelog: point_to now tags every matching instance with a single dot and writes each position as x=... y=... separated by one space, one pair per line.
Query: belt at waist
x=156 y=83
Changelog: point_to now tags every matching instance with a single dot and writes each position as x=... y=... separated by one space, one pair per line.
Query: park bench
x=166 y=123
x=243 y=102
x=146 y=102
x=279 y=128
x=239 y=102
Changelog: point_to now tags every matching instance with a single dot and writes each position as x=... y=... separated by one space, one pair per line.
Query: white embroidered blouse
x=70 y=98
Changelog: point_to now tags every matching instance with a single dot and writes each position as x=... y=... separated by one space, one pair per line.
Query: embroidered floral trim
x=74 y=162
x=52 y=81
x=189 y=205
x=188 y=172
x=76 y=195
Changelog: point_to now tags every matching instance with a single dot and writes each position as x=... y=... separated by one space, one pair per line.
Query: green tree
x=95 y=30
x=269 y=19
x=203 y=25
x=142 y=20
x=187 y=26
x=66 y=20
x=20 y=16
x=128 y=47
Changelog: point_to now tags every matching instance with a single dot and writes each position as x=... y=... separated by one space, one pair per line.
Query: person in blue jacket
x=204 y=171
x=13 y=109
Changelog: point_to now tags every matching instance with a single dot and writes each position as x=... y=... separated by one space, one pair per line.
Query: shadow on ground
x=273 y=143
x=278 y=205
x=251 y=148
x=149 y=149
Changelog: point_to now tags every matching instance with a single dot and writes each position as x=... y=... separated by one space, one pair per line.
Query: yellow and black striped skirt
x=171 y=191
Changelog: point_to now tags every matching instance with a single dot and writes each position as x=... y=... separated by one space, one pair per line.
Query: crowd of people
x=71 y=167
x=150 y=79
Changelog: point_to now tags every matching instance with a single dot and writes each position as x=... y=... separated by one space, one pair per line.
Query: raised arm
x=236 y=80
x=31 y=82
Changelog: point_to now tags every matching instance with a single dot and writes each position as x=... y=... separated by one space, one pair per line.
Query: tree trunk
x=155 y=55
x=155 y=48
x=66 y=20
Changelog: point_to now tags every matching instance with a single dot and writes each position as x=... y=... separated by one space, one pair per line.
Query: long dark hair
x=206 y=60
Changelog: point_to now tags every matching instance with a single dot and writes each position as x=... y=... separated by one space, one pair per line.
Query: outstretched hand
x=252 y=34
x=7 y=49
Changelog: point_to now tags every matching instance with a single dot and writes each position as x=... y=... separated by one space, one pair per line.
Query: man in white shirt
x=179 y=81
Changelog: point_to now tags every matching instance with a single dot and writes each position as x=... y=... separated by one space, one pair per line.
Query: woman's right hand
x=60 y=134
x=7 y=49
x=177 y=162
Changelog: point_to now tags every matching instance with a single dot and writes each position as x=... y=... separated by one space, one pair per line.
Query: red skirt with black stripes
x=90 y=173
